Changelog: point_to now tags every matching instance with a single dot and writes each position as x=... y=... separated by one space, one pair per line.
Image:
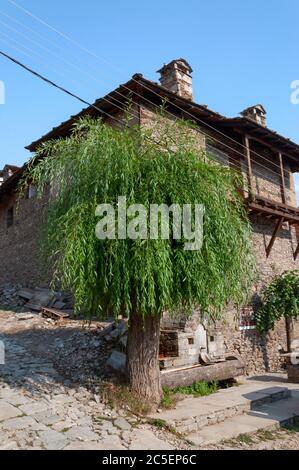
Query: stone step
x=193 y=414
x=264 y=417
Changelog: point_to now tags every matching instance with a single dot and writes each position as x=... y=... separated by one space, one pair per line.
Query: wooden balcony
x=276 y=211
x=272 y=209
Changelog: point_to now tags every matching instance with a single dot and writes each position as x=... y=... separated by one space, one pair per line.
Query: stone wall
x=150 y=119
x=20 y=258
x=19 y=246
x=259 y=353
x=263 y=353
x=266 y=175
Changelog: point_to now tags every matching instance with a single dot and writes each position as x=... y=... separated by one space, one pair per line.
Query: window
x=247 y=319
x=10 y=217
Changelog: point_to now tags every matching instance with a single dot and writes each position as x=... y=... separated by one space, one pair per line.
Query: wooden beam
x=276 y=230
x=277 y=204
x=275 y=213
x=185 y=376
x=248 y=160
x=296 y=252
x=282 y=178
x=272 y=147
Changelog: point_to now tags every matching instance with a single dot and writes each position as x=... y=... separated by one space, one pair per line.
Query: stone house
x=267 y=159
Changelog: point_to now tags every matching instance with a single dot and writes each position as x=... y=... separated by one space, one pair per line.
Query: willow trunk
x=143 y=357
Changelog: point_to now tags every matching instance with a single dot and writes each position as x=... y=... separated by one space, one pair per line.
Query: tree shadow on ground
x=269 y=378
x=39 y=359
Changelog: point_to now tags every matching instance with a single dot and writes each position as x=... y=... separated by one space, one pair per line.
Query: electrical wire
x=63 y=89
x=114 y=99
x=77 y=44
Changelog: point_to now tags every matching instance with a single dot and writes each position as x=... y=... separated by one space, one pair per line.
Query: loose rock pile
x=88 y=356
x=94 y=351
x=17 y=297
x=9 y=296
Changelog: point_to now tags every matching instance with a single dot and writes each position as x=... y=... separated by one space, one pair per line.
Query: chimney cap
x=256 y=113
x=249 y=110
x=180 y=62
x=12 y=168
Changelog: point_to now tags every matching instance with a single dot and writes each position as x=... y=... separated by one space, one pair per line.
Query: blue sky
x=242 y=51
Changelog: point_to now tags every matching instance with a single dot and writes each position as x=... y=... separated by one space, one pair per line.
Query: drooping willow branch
x=97 y=164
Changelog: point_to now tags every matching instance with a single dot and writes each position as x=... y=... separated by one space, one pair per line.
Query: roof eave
x=182 y=106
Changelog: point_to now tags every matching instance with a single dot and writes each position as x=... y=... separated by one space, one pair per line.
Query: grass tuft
x=198 y=389
x=121 y=397
x=245 y=439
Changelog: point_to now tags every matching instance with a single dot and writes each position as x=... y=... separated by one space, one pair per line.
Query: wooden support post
x=296 y=252
x=276 y=230
x=282 y=180
x=290 y=333
x=248 y=160
x=235 y=161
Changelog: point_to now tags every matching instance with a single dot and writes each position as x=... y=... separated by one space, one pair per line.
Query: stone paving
x=280 y=439
x=193 y=414
x=40 y=409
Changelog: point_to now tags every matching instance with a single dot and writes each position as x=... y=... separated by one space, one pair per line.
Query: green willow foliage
x=280 y=300
x=97 y=164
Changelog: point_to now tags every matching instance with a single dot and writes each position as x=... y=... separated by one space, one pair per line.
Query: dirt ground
x=49 y=398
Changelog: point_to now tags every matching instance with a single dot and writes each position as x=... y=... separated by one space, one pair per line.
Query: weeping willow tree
x=141 y=278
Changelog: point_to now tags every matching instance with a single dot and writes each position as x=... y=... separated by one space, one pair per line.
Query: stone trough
x=293 y=373
x=292 y=365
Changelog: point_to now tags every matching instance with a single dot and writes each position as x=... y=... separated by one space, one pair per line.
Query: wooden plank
x=266 y=144
x=282 y=178
x=248 y=160
x=278 y=204
x=276 y=230
x=55 y=314
x=275 y=213
x=296 y=252
x=290 y=333
x=26 y=294
x=188 y=376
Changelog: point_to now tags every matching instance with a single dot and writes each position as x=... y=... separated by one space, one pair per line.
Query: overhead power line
x=50 y=82
x=63 y=89
x=194 y=118
x=73 y=95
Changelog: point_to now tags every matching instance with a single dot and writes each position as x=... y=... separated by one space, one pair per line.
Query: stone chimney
x=176 y=77
x=7 y=172
x=256 y=113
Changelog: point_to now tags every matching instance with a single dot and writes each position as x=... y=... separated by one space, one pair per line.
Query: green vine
x=280 y=300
